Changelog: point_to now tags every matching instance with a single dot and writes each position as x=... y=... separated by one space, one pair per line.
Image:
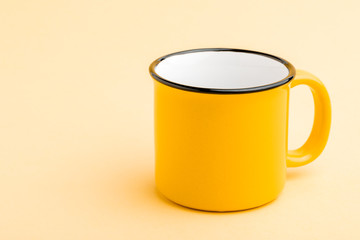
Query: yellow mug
x=221 y=127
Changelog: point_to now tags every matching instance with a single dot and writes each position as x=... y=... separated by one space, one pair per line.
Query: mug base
x=218 y=211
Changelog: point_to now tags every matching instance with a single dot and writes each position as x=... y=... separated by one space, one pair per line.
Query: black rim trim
x=283 y=81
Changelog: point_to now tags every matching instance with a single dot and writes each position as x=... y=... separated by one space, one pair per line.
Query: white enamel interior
x=221 y=69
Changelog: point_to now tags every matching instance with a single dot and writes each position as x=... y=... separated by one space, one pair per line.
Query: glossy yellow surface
x=227 y=152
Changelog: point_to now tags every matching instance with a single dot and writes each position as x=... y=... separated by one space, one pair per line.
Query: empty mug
x=221 y=127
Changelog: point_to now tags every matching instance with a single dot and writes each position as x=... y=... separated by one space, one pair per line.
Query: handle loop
x=316 y=142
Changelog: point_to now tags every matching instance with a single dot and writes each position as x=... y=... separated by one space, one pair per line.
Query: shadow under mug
x=221 y=127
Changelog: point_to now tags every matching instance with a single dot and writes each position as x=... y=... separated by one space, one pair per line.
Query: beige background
x=76 y=140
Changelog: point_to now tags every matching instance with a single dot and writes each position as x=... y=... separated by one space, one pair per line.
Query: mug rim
x=281 y=82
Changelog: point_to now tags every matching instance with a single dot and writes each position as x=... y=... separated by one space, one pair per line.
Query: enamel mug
x=221 y=127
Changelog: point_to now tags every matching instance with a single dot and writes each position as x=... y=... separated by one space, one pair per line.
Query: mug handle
x=316 y=142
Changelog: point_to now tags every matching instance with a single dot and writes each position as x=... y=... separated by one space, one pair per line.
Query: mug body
x=220 y=152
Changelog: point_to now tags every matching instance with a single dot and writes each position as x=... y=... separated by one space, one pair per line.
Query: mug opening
x=222 y=70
